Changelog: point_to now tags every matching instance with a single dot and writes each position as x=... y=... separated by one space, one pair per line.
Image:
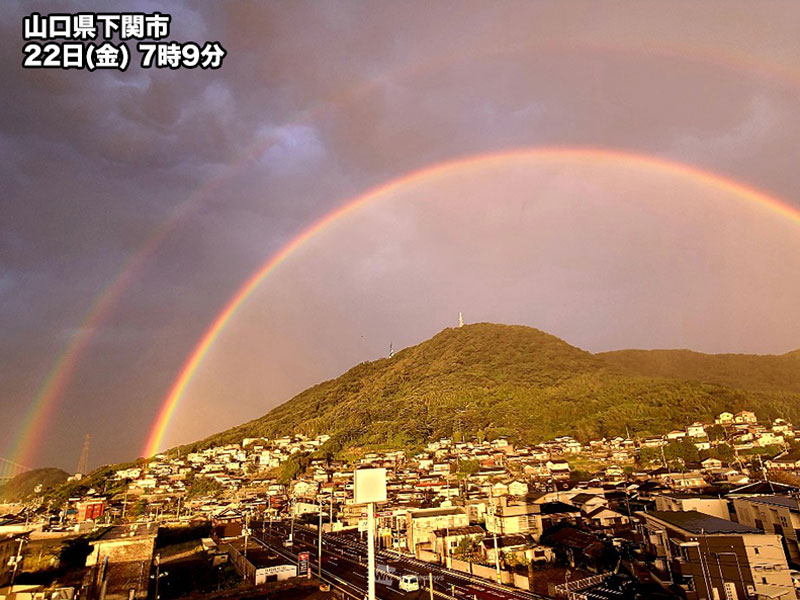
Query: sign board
x=302 y=563
x=278 y=569
x=370 y=485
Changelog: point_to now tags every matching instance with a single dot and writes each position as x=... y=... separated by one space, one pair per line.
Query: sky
x=134 y=205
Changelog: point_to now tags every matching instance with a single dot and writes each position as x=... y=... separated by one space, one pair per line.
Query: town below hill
x=606 y=516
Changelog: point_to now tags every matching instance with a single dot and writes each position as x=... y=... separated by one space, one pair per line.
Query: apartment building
x=772 y=514
x=709 y=558
x=709 y=505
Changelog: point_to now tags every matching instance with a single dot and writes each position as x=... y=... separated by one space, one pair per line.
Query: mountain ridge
x=746 y=371
x=489 y=379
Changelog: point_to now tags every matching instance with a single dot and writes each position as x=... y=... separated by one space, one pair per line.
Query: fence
x=477 y=570
x=571 y=589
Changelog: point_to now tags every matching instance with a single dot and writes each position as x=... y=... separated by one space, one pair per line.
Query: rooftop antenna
x=460 y=320
x=84 y=460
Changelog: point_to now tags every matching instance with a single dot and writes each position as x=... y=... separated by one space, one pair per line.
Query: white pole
x=371 y=550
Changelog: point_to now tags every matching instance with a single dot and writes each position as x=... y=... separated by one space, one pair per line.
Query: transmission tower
x=84 y=461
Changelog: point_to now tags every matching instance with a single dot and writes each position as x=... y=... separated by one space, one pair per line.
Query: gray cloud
x=315 y=104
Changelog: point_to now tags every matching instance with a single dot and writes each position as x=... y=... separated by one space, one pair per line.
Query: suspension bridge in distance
x=9 y=469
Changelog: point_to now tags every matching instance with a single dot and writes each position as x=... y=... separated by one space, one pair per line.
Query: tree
x=468 y=467
x=139 y=508
x=647 y=456
x=682 y=452
x=205 y=486
x=724 y=452
x=715 y=432
x=468 y=548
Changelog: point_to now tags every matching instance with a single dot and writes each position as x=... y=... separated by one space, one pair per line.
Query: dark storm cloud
x=315 y=103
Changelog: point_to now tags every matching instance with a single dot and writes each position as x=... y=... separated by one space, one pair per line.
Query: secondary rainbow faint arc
x=595 y=155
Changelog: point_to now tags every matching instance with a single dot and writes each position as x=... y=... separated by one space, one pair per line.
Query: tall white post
x=370 y=488
x=371 y=550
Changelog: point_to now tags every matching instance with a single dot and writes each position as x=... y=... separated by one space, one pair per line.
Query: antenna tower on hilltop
x=84 y=460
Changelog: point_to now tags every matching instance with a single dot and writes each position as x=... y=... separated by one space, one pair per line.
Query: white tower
x=460 y=320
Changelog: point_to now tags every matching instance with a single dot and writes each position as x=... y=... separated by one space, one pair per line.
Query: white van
x=409 y=583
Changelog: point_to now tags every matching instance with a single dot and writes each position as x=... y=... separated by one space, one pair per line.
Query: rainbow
x=596 y=156
x=62 y=370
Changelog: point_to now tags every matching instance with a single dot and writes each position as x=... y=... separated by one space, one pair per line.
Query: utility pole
x=246 y=533
x=17 y=560
x=158 y=574
x=319 y=542
x=497 y=559
x=291 y=529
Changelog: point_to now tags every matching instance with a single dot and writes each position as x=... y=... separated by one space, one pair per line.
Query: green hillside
x=745 y=371
x=492 y=380
x=25 y=484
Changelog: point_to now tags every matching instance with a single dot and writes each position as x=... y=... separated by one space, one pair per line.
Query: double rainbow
x=426 y=175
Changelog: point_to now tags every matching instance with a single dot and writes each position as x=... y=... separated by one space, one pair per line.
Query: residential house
x=444 y=542
x=510 y=518
x=421 y=522
x=603 y=517
x=122 y=556
x=745 y=416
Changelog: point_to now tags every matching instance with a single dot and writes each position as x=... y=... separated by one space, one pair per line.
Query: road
x=344 y=559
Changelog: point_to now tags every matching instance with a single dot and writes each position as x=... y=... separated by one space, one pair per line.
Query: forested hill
x=31 y=483
x=745 y=371
x=488 y=379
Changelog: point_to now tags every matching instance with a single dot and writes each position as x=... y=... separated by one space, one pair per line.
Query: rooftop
x=436 y=512
x=459 y=531
x=697 y=522
x=785 y=501
x=135 y=530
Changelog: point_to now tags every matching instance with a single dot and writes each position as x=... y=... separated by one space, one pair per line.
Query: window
x=730 y=591
x=688 y=582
